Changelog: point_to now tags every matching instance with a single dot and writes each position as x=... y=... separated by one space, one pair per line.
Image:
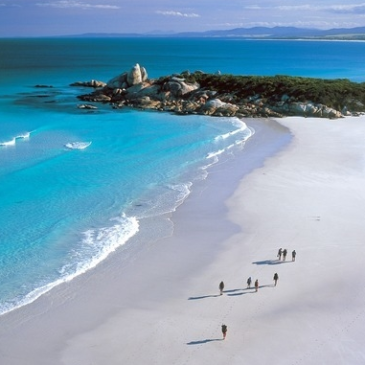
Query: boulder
x=330 y=113
x=93 y=83
x=87 y=106
x=178 y=87
x=146 y=102
x=214 y=104
x=219 y=108
x=118 y=82
x=136 y=75
x=345 y=111
x=145 y=88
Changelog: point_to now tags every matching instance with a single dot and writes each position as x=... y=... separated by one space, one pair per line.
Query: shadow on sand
x=237 y=292
x=231 y=291
x=204 y=296
x=266 y=286
x=201 y=342
x=250 y=290
x=270 y=262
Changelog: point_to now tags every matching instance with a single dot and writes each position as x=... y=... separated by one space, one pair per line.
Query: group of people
x=249 y=281
x=284 y=252
x=281 y=253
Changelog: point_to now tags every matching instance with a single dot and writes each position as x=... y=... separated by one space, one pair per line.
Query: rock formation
x=93 y=83
x=175 y=93
x=135 y=76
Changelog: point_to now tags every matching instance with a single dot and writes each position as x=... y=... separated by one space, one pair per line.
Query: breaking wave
x=12 y=141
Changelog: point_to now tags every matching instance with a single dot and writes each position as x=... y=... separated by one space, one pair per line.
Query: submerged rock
x=87 y=106
x=92 y=83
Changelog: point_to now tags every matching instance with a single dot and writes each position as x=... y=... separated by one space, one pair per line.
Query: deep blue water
x=65 y=209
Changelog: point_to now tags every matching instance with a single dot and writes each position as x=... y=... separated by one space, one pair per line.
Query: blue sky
x=63 y=17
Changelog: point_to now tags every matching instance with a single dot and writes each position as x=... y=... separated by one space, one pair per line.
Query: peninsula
x=228 y=95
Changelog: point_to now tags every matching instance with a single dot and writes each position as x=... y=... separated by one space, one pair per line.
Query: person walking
x=276 y=278
x=293 y=254
x=221 y=287
x=256 y=285
x=249 y=280
x=224 y=331
x=284 y=254
x=280 y=253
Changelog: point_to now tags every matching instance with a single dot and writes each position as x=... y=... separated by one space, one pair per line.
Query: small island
x=229 y=95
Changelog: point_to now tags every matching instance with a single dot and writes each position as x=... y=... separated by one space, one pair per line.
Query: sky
x=22 y=18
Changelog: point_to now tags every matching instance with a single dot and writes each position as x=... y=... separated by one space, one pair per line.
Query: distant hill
x=254 y=33
x=282 y=33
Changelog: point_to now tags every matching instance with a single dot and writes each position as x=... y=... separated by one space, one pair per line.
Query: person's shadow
x=201 y=342
x=231 y=291
x=266 y=286
x=204 y=296
x=243 y=292
x=270 y=262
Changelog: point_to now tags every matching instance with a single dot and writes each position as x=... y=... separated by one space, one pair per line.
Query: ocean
x=76 y=185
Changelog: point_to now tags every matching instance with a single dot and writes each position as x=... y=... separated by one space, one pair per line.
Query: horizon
x=317 y=34
x=43 y=18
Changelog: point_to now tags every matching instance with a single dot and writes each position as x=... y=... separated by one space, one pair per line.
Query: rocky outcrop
x=178 y=87
x=307 y=109
x=87 y=106
x=93 y=83
x=218 y=108
x=135 y=76
x=177 y=94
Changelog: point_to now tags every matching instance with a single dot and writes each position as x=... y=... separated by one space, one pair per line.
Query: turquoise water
x=75 y=185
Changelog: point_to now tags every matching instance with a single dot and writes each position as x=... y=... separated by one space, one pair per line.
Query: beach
x=301 y=186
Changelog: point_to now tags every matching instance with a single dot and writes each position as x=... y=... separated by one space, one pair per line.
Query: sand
x=303 y=190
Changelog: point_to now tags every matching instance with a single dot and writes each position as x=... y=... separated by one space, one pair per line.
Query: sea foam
x=95 y=246
x=239 y=135
x=12 y=141
x=8 y=143
x=77 y=145
x=240 y=127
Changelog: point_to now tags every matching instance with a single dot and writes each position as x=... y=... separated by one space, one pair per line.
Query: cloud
x=319 y=24
x=9 y=5
x=283 y=7
x=254 y=7
x=297 y=7
x=344 y=9
x=349 y=8
x=177 y=13
x=227 y=25
x=66 y=4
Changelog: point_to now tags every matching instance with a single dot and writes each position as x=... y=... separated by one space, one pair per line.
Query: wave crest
x=12 y=141
x=95 y=246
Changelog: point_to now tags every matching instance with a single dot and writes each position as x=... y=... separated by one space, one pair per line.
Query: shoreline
x=165 y=298
x=121 y=263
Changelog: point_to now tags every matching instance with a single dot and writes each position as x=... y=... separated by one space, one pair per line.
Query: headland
x=229 y=95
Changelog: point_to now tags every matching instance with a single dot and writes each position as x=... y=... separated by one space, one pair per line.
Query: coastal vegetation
x=337 y=94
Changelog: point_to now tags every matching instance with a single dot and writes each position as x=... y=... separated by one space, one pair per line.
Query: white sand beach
x=162 y=304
